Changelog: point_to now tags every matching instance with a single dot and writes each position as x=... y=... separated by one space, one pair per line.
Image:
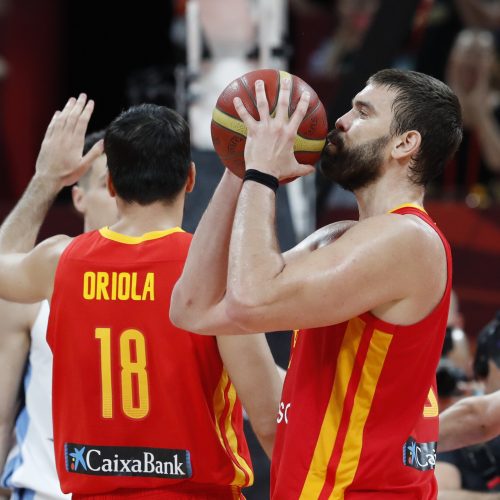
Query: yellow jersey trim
x=411 y=205
x=220 y=403
x=318 y=468
x=135 y=240
x=353 y=443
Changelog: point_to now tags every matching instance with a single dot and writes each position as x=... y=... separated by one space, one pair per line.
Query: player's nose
x=342 y=123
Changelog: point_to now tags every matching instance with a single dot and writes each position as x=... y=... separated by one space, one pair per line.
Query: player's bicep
x=318 y=239
x=360 y=271
x=29 y=277
x=490 y=411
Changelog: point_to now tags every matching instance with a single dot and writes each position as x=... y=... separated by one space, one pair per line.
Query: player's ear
x=407 y=145
x=111 y=187
x=191 y=180
x=78 y=196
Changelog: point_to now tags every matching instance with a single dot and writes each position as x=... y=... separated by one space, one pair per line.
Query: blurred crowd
x=454 y=40
x=471 y=372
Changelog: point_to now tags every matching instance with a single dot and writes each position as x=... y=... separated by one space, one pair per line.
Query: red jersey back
x=359 y=415
x=137 y=403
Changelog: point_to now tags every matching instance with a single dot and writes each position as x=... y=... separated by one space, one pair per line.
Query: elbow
x=242 y=308
x=181 y=314
x=476 y=415
x=265 y=431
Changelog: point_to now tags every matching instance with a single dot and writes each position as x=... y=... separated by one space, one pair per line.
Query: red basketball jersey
x=358 y=417
x=137 y=403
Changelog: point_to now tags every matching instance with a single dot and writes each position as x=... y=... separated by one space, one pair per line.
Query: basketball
x=229 y=132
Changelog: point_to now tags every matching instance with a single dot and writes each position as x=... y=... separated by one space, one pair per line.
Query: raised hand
x=269 y=143
x=60 y=158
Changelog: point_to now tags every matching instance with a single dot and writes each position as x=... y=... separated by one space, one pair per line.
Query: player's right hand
x=60 y=160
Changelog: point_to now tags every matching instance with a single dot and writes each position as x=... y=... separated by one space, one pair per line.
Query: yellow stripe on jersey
x=134 y=240
x=316 y=475
x=233 y=441
x=410 y=205
x=372 y=367
x=294 y=341
x=220 y=403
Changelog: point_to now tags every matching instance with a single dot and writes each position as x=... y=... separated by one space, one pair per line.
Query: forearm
x=463 y=424
x=19 y=230
x=207 y=258
x=252 y=370
x=255 y=258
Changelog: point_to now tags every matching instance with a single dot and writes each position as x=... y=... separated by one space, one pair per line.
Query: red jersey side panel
x=137 y=403
x=359 y=417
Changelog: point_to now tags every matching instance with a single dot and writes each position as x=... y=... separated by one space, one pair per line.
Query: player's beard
x=355 y=167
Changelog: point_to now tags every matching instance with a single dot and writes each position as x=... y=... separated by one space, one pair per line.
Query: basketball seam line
x=248 y=91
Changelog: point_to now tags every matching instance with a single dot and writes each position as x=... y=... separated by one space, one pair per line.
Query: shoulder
x=53 y=245
x=393 y=232
x=45 y=256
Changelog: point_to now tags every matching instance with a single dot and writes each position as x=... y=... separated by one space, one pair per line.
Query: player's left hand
x=60 y=160
x=269 y=142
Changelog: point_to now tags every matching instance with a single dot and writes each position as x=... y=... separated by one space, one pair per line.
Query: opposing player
x=141 y=408
x=30 y=469
x=358 y=417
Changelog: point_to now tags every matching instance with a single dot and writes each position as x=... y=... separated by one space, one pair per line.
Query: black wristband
x=262 y=178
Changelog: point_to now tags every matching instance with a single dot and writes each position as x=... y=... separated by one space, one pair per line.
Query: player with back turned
x=358 y=416
x=141 y=409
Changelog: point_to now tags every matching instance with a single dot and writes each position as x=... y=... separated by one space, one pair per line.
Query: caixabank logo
x=127 y=461
x=420 y=456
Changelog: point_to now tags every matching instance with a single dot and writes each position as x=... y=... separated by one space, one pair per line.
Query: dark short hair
x=149 y=153
x=429 y=106
x=90 y=140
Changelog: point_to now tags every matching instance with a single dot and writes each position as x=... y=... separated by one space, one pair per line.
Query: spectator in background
x=459 y=353
x=470 y=72
x=464 y=472
x=455 y=366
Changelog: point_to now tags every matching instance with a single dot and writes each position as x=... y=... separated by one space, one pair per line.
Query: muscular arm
x=201 y=308
x=257 y=380
x=29 y=277
x=366 y=267
x=472 y=420
x=318 y=239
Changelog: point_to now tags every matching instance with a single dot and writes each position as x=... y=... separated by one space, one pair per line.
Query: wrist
x=47 y=182
x=265 y=169
x=263 y=178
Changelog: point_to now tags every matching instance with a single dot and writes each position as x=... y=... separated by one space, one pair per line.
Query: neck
x=386 y=193
x=136 y=220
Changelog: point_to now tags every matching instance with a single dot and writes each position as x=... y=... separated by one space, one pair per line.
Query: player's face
x=99 y=207
x=358 y=146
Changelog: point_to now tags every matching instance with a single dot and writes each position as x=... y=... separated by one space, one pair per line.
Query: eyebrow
x=363 y=104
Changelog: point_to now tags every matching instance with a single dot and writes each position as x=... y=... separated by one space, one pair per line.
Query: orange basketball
x=229 y=132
